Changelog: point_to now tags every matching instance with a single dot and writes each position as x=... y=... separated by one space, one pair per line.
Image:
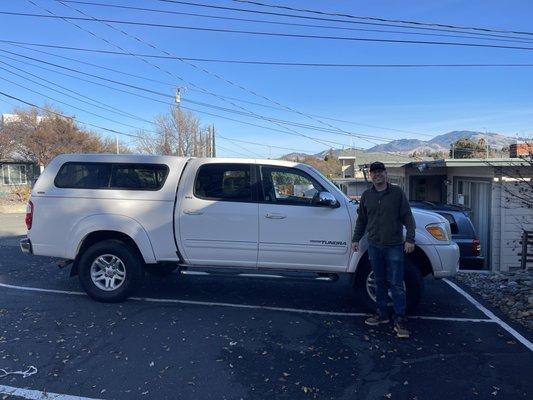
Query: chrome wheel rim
x=371 y=286
x=108 y=272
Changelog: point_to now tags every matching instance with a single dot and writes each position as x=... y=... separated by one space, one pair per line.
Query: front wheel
x=110 y=270
x=413 y=284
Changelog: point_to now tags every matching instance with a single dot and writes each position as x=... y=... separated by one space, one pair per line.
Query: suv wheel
x=413 y=284
x=110 y=270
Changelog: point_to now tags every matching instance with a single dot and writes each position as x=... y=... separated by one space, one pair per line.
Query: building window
x=14 y=174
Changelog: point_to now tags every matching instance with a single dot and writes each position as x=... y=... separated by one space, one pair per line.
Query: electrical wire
x=315 y=26
x=261 y=62
x=225 y=97
x=279 y=6
x=264 y=33
x=307 y=17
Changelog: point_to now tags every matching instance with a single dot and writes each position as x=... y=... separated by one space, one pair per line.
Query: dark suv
x=463 y=232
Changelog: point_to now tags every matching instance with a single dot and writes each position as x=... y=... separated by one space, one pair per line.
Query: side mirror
x=326 y=199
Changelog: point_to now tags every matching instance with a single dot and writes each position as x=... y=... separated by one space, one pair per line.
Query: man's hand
x=355 y=246
x=409 y=247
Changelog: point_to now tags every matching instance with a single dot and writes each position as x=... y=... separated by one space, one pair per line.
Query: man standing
x=383 y=212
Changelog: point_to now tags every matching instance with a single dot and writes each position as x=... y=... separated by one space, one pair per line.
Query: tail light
x=29 y=215
x=476 y=247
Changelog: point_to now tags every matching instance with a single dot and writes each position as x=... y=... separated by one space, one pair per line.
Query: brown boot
x=377 y=319
x=400 y=327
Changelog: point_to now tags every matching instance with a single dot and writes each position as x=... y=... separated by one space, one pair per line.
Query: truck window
x=138 y=176
x=289 y=186
x=83 y=176
x=229 y=182
x=118 y=176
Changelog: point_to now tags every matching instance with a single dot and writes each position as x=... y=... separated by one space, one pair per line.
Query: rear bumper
x=449 y=260
x=25 y=246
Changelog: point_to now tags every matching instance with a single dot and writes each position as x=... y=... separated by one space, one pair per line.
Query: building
x=14 y=171
x=497 y=191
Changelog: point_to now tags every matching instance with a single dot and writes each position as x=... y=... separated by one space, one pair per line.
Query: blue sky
x=420 y=102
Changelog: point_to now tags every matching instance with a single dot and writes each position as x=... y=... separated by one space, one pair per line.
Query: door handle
x=193 y=212
x=275 y=216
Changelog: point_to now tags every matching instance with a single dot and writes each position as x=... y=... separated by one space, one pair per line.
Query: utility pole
x=213 y=144
x=116 y=139
x=177 y=99
x=453 y=150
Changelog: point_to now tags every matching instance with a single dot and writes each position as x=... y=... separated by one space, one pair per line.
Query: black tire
x=131 y=264
x=160 y=270
x=414 y=285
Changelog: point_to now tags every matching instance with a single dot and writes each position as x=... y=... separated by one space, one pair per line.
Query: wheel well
x=418 y=257
x=99 y=236
x=421 y=260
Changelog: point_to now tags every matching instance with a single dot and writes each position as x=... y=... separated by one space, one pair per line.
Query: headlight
x=438 y=231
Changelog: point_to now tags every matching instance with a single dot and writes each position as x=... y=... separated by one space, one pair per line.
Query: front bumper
x=449 y=261
x=25 y=246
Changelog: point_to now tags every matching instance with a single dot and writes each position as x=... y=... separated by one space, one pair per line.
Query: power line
x=382 y=19
x=264 y=145
x=369 y=138
x=232 y=151
x=98 y=104
x=352 y=21
x=251 y=62
x=241 y=147
x=171 y=12
x=321 y=141
x=193 y=89
x=201 y=69
x=62 y=102
x=136 y=38
x=267 y=34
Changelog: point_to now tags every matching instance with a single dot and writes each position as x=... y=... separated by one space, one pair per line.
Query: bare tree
x=39 y=137
x=177 y=133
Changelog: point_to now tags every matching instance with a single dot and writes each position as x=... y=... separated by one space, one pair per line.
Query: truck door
x=218 y=222
x=295 y=233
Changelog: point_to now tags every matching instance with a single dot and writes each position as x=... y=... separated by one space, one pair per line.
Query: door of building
x=476 y=195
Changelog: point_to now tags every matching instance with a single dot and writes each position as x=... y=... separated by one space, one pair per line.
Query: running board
x=324 y=277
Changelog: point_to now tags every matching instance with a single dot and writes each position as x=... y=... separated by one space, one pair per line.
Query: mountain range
x=404 y=147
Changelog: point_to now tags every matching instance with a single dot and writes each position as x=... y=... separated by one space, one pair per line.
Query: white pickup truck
x=116 y=216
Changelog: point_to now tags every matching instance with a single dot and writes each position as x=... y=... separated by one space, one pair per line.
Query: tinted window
x=84 y=176
x=224 y=182
x=111 y=176
x=288 y=186
x=141 y=177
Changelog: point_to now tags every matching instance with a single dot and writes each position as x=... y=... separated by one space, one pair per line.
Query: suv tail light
x=476 y=247
x=29 y=215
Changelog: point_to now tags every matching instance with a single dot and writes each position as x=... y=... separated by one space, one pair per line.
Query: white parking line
x=246 y=306
x=491 y=315
x=37 y=394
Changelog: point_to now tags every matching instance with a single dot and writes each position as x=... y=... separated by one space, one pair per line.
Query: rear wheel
x=109 y=271
x=413 y=284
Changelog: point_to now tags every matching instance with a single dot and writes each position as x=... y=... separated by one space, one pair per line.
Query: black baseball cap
x=376 y=165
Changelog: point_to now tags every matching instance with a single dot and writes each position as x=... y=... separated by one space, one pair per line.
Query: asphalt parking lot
x=194 y=337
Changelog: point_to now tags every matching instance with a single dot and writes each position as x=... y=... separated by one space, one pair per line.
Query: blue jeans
x=388 y=263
